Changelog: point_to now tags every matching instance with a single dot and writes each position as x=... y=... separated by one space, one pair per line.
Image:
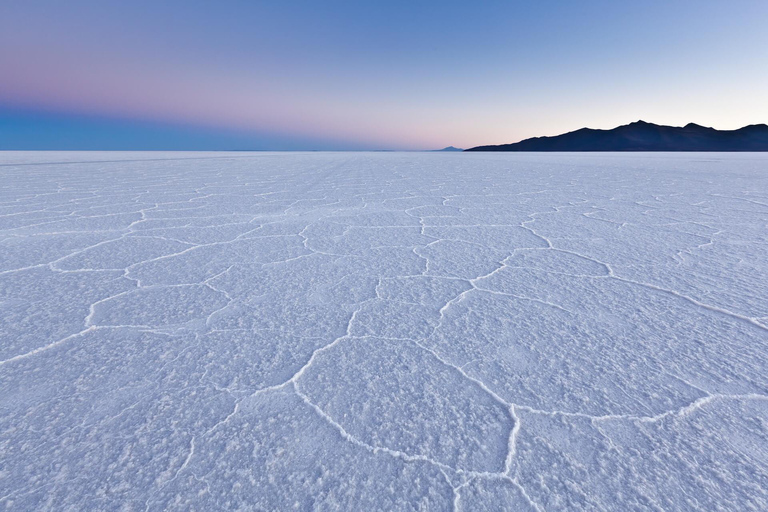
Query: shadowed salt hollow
x=383 y=331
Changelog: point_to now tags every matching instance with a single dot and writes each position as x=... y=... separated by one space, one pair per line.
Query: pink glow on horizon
x=156 y=94
x=146 y=90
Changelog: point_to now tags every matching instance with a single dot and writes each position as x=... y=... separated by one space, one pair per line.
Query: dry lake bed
x=383 y=331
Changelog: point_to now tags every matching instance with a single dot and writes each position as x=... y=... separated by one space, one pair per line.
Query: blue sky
x=369 y=75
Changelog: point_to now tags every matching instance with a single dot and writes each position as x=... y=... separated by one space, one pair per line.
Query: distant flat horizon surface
x=383 y=331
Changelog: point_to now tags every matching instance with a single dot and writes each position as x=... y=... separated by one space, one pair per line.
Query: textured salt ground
x=387 y=331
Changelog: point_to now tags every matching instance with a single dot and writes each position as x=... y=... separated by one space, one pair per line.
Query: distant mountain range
x=450 y=148
x=642 y=136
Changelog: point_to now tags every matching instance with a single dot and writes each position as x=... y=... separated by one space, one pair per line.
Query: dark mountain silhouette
x=450 y=148
x=642 y=136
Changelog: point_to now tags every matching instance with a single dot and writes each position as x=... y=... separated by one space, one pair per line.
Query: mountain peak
x=761 y=127
x=694 y=126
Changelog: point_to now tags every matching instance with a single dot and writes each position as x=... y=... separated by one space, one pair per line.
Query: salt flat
x=383 y=331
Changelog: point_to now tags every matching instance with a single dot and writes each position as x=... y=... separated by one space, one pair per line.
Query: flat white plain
x=383 y=331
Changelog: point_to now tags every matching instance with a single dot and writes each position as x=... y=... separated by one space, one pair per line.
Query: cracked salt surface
x=388 y=331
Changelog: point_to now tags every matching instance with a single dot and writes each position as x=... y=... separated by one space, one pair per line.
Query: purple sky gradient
x=399 y=75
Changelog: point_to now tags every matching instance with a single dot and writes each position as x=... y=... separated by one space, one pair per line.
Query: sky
x=400 y=75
